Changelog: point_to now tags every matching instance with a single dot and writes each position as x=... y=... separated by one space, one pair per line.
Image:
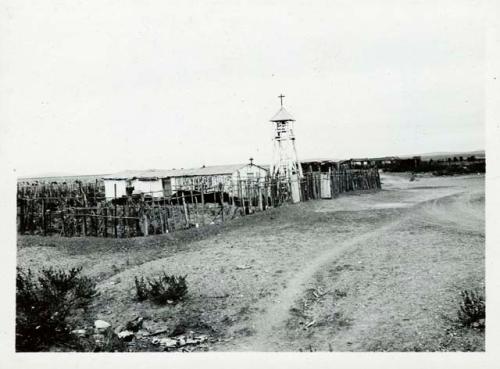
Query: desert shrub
x=43 y=304
x=472 y=309
x=162 y=290
x=141 y=289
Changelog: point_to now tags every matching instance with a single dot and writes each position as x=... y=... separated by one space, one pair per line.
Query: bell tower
x=285 y=162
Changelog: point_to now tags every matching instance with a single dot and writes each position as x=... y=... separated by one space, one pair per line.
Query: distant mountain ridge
x=447 y=154
x=62 y=178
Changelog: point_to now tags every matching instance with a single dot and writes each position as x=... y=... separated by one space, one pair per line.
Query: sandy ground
x=371 y=271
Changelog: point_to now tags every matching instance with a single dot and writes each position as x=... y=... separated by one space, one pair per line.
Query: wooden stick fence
x=82 y=210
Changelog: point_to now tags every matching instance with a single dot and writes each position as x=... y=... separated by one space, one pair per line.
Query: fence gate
x=294 y=182
x=326 y=188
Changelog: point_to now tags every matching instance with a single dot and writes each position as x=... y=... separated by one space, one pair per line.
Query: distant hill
x=49 y=175
x=445 y=154
x=62 y=178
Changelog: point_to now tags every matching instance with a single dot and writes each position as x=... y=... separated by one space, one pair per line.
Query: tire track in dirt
x=268 y=327
x=463 y=212
x=276 y=314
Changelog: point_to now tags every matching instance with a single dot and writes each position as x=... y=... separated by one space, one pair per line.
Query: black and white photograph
x=273 y=177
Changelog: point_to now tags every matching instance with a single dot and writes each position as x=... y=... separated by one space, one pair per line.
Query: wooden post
x=238 y=189
x=91 y=228
x=250 y=196
x=95 y=222
x=126 y=229
x=48 y=220
x=186 y=215
x=261 y=205
x=221 y=202
x=63 y=232
x=334 y=194
x=29 y=218
x=105 y=211
x=145 y=224
x=247 y=198
x=162 y=220
x=43 y=216
x=271 y=192
x=167 y=224
x=137 y=220
x=196 y=210
x=194 y=204
x=164 y=214
x=84 y=221
x=115 y=214
x=203 y=202
x=21 y=216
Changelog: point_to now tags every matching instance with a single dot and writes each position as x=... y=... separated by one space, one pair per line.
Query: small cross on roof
x=281 y=98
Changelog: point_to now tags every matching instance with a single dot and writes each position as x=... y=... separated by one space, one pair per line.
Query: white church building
x=163 y=183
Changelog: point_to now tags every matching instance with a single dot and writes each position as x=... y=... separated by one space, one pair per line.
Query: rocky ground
x=376 y=271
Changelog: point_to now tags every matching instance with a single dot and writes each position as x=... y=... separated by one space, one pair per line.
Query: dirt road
x=372 y=271
x=455 y=207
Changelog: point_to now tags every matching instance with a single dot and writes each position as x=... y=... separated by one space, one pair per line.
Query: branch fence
x=82 y=210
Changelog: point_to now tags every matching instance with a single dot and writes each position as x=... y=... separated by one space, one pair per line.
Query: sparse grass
x=245 y=332
x=336 y=320
x=340 y=293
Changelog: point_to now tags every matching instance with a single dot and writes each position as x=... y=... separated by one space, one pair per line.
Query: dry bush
x=472 y=311
x=141 y=289
x=44 y=303
x=162 y=290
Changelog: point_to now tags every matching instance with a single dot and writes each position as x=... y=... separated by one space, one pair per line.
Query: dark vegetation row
x=439 y=168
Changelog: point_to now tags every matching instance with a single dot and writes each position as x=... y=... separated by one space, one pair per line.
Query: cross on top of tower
x=282 y=115
x=281 y=98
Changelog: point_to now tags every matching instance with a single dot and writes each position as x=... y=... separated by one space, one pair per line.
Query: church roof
x=167 y=173
x=282 y=116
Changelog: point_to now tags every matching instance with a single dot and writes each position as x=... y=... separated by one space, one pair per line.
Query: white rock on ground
x=179 y=341
x=79 y=332
x=101 y=325
x=126 y=335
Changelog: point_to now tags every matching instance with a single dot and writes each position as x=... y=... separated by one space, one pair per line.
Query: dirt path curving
x=276 y=314
x=451 y=209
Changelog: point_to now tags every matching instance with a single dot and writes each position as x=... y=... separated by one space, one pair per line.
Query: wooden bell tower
x=285 y=164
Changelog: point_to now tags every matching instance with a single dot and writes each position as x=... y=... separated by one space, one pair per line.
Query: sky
x=91 y=87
